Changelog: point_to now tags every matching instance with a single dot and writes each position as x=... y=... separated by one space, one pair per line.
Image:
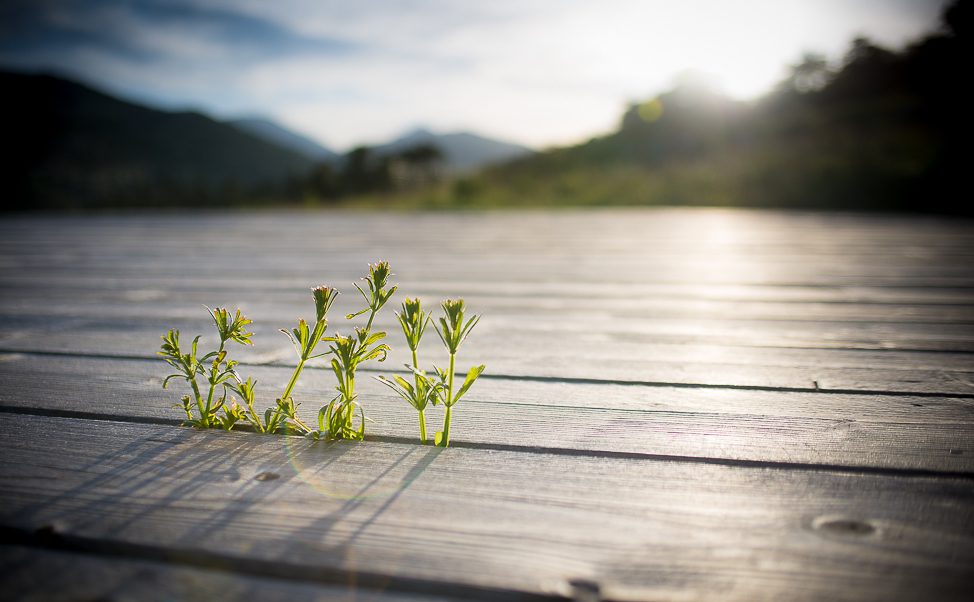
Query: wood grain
x=525 y=521
x=757 y=426
x=568 y=356
x=35 y=574
x=679 y=405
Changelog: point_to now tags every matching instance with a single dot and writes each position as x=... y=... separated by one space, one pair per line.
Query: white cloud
x=535 y=71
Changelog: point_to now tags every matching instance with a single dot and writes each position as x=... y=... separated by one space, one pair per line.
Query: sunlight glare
x=740 y=46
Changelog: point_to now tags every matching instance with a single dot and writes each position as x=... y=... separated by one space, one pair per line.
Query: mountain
x=276 y=134
x=68 y=145
x=462 y=151
x=884 y=130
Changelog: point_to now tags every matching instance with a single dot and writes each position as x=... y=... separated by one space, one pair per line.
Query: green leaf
x=407 y=394
x=404 y=383
x=367 y=298
x=360 y=433
x=290 y=337
x=358 y=313
x=379 y=352
x=472 y=375
x=321 y=417
x=467 y=328
x=373 y=338
x=165 y=383
x=337 y=369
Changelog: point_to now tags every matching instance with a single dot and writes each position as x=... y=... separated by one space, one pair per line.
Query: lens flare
x=651 y=110
x=316 y=463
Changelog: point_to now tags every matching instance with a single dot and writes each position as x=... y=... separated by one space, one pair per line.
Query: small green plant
x=246 y=390
x=336 y=419
x=423 y=390
x=214 y=367
x=304 y=339
x=453 y=332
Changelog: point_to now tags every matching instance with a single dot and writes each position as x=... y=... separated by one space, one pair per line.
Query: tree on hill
x=883 y=129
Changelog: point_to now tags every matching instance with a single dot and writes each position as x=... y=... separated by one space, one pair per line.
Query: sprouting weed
x=336 y=419
x=453 y=331
x=377 y=279
x=247 y=390
x=305 y=339
x=423 y=390
x=231 y=329
x=214 y=368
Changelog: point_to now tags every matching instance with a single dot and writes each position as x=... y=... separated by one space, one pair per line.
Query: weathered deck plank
x=570 y=356
x=680 y=404
x=544 y=321
x=35 y=574
x=905 y=433
x=385 y=513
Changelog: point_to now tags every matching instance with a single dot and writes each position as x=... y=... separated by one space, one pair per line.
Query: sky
x=536 y=72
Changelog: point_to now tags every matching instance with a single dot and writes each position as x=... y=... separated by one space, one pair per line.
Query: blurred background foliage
x=883 y=130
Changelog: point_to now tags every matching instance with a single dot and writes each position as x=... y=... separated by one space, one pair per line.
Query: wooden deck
x=678 y=405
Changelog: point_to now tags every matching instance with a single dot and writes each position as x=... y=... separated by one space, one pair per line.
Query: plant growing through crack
x=214 y=367
x=423 y=390
x=336 y=420
x=453 y=332
x=304 y=339
x=343 y=416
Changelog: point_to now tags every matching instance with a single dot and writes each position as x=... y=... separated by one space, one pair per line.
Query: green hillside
x=883 y=130
x=67 y=145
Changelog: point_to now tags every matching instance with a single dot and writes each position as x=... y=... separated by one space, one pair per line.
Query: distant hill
x=285 y=138
x=881 y=130
x=68 y=145
x=462 y=151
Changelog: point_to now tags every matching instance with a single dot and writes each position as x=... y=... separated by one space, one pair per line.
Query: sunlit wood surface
x=678 y=405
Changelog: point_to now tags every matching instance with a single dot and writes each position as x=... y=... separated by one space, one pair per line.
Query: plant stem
x=209 y=398
x=294 y=379
x=449 y=401
x=255 y=419
x=422 y=417
x=287 y=393
x=214 y=370
x=416 y=365
x=348 y=406
x=449 y=390
x=300 y=423
x=199 y=396
x=446 y=427
x=316 y=335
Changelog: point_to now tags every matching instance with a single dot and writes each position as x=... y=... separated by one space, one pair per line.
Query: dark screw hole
x=843 y=526
x=585 y=590
x=47 y=533
x=267 y=476
x=956 y=452
x=45 y=530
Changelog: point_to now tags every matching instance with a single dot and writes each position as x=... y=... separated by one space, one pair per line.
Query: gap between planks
x=49 y=538
x=805 y=428
x=823 y=390
x=540 y=450
x=501 y=522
